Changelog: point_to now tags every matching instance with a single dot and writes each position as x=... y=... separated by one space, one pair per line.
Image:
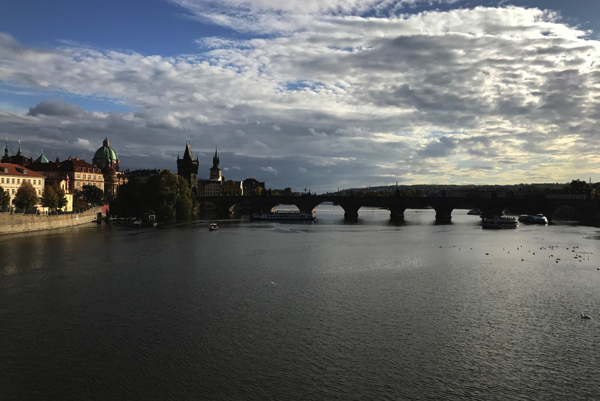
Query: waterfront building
x=250 y=186
x=232 y=188
x=75 y=172
x=13 y=175
x=112 y=182
x=187 y=167
x=105 y=156
x=140 y=177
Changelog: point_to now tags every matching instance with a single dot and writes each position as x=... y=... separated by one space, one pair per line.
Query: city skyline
x=322 y=94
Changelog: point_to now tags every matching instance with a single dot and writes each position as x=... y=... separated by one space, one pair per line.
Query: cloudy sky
x=315 y=94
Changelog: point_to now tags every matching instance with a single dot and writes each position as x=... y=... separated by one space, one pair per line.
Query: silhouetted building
x=250 y=185
x=16 y=159
x=187 y=167
x=232 y=188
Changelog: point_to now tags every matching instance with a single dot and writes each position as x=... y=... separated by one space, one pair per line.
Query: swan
x=585 y=316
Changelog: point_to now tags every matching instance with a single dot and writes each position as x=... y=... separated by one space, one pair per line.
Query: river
x=327 y=310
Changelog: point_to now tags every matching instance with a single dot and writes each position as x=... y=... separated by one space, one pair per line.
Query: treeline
x=166 y=194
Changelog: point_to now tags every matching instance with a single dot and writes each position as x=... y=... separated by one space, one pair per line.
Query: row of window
x=79 y=184
x=89 y=177
x=35 y=182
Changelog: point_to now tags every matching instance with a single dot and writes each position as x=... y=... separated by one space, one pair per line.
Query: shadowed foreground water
x=324 y=310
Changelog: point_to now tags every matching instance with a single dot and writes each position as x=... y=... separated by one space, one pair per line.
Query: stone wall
x=19 y=223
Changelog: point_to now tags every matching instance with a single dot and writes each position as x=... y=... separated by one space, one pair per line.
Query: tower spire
x=19 y=151
x=6 y=148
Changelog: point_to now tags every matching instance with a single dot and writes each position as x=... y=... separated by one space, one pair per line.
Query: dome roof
x=106 y=152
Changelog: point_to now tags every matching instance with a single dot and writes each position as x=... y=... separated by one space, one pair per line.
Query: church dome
x=106 y=152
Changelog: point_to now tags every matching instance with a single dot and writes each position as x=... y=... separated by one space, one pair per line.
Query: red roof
x=13 y=169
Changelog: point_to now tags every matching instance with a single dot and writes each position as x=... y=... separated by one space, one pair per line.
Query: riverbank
x=20 y=223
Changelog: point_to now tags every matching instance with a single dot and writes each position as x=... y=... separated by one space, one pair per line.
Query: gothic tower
x=188 y=168
x=216 y=174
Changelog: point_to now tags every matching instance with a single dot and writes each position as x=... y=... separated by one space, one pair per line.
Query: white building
x=13 y=175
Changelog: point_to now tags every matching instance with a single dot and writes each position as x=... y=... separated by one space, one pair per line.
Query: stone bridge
x=588 y=209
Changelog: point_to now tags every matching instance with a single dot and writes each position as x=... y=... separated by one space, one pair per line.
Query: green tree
x=26 y=197
x=91 y=194
x=169 y=195
x=257 y=191
x=54 y=197
x=78 y=202
x=4 y=199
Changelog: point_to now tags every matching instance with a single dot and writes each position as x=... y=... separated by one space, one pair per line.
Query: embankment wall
x=19 y=223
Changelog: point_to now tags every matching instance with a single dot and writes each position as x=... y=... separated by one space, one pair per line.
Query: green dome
x=106 y=152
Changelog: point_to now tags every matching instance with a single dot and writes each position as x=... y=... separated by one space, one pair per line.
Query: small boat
x=535 y=219
x=500 y=222
x=212 y=227
x=285 y=216
x=475 y=212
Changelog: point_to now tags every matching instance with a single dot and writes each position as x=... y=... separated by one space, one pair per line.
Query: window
x=13 y=191
x=2 y=180
x=18 y=180
x=39 y=192
x=78 y=175
x=78 y=183
x=13 y=181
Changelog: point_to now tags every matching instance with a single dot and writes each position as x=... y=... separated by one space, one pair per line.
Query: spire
x=105 y=142
x=187 y=154
x=216 y=158
x=6 y=149
x=19 y=151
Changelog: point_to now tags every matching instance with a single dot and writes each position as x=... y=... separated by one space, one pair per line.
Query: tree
x=26 y=197
x=54 y=197
x=169 y=195
x=78 y=202
x=257 y=191
x=91 y=194
x=4 y=199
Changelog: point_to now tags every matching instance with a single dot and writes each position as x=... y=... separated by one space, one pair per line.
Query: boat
x=285 y=216
x=475 y=212
x=149 y=219
x=212 y=227
x=500 y=222
x=535 y=219
x=540 y=219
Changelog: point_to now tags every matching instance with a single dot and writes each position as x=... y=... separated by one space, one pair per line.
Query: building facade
x=251 y=185
x=232 y=188
x=12 y=176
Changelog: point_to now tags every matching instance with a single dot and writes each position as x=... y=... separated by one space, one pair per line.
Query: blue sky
x=319 y=94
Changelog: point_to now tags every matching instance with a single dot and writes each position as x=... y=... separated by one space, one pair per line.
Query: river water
x=328 y=310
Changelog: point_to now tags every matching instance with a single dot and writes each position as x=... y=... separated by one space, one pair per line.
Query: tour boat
x=212 y=226
x=536 y=219
x=500 y=222
x=475 y=212
x=287 y=216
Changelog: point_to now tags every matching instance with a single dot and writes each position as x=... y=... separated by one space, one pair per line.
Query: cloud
x=368 y=90
x=56 y=108
x=302 y=169
x=83 y=144
x=269 y=170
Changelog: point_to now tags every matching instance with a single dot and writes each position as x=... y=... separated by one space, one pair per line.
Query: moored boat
x=500 y=222
x=285 y=216
x=212 y=227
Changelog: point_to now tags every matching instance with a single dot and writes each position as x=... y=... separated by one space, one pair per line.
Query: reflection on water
x=317 y=310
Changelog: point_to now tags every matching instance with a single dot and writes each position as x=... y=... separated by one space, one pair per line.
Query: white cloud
x=416 y=93
x=269 y=170
x=302 y=169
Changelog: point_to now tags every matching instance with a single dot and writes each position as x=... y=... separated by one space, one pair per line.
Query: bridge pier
x=350 y=211
x=397 y=213
x=443 y=214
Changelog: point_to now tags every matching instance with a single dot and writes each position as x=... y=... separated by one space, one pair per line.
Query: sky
x=315 y=94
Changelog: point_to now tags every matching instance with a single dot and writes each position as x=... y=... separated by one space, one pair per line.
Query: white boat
x=536 y=219
x=475 y=212
x=500 y=222
x=287 y=216
x=212 y=227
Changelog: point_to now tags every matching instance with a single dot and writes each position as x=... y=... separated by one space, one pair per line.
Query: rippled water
x=309 y=311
